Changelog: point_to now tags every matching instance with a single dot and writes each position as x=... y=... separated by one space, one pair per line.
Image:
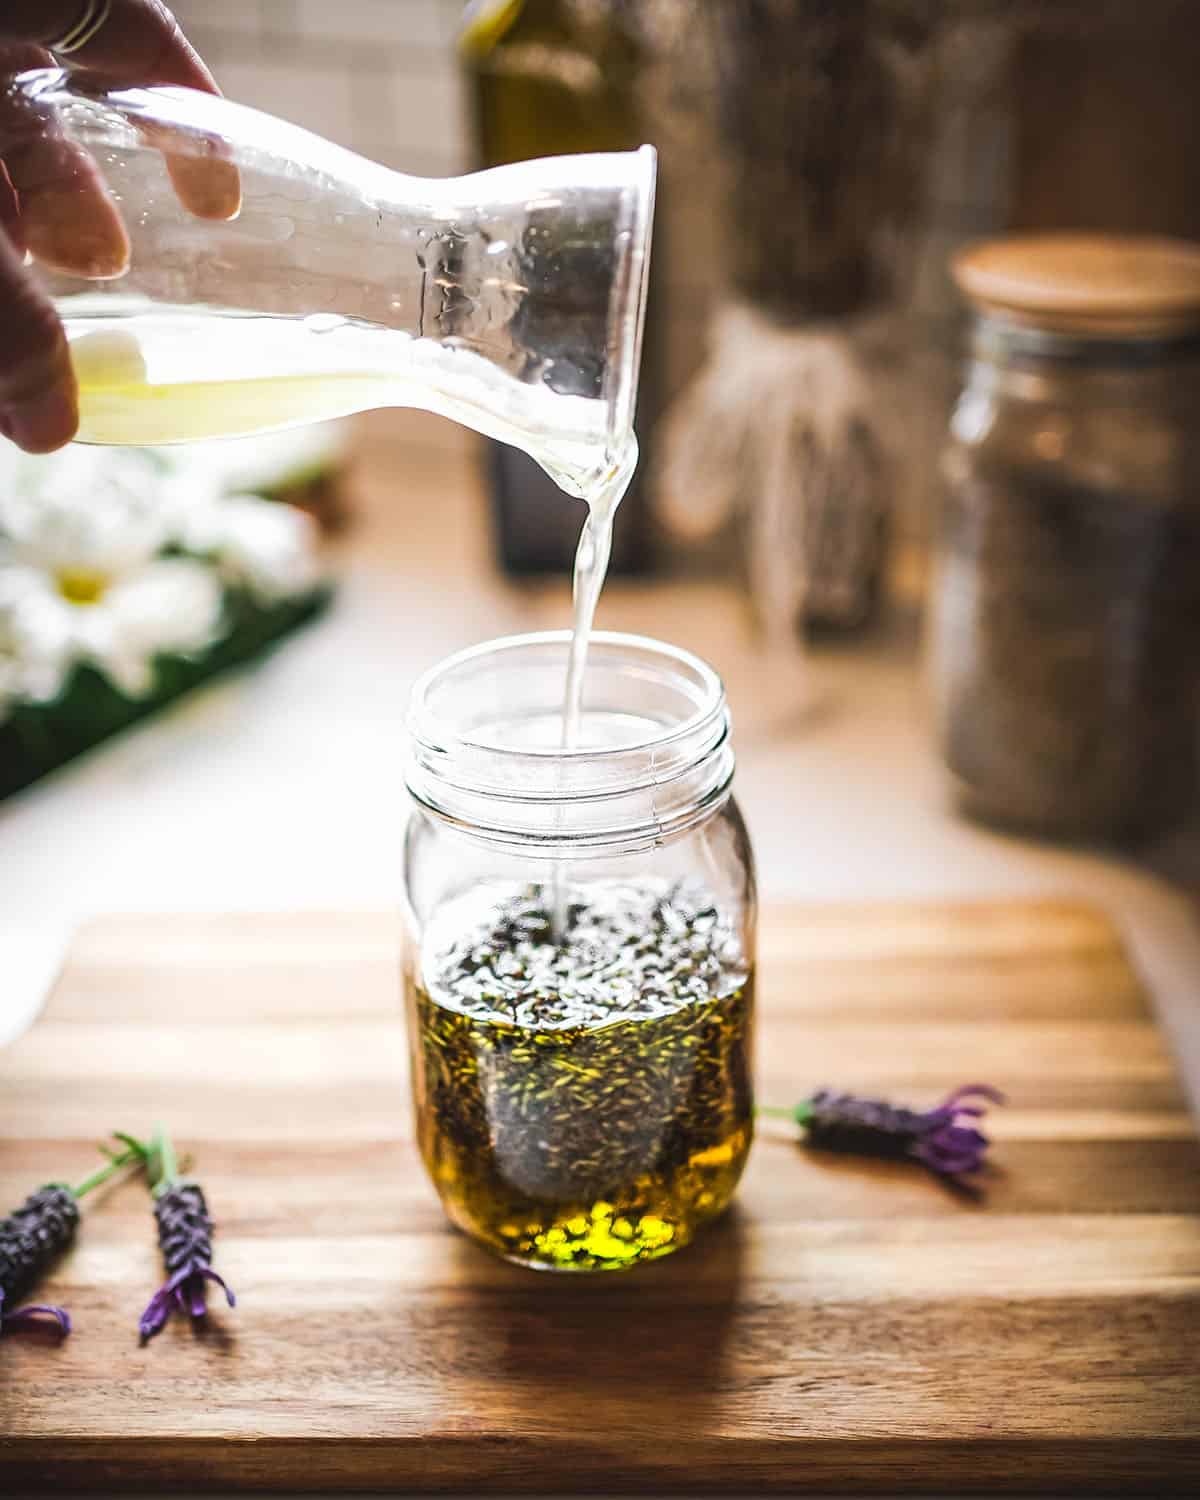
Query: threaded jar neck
x=654 y=758
x=1000 y=339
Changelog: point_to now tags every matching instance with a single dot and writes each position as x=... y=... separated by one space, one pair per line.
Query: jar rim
x=669 y=768
x=427 y=728
x=998 y=335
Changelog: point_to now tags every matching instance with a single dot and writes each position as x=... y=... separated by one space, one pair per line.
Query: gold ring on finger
x=91 y=19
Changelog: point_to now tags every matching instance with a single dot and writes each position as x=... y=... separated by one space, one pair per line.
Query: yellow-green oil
x=172 y=376
x=584 y=1104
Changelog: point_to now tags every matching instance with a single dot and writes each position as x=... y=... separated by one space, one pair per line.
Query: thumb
x=38 y=398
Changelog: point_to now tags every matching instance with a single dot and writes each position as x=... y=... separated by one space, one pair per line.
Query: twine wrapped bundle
x=824 y=108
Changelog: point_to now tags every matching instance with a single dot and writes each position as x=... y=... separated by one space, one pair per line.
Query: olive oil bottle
x=551 y=77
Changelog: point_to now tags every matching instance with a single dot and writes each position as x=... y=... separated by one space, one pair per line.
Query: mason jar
x=1065 y=623
x=580 y=944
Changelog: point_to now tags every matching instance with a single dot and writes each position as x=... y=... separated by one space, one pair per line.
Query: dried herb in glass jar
x=1066 y=616
x=583 y=1104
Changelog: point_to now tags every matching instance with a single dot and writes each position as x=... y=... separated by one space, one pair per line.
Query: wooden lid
x=1086 y=284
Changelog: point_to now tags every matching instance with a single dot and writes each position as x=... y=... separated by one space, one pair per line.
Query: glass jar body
x=1065 y=618
x=580 y=1024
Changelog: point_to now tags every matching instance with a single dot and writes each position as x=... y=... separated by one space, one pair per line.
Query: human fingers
x=10 y=216
x=140 y=42
x=136 y=41
x=38 y=398
x=56 y=206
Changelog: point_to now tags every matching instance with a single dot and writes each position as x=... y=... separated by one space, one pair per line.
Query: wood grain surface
x=850 y=1326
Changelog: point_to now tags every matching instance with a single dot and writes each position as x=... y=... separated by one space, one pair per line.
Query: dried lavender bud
x=942 y=1139
x=30 y=1239
x=185 y=1236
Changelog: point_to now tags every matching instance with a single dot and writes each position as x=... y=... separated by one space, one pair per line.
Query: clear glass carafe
x=579 y=963
x=231 y=273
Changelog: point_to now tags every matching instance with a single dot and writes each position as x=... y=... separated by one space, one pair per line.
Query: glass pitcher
x=230 y=273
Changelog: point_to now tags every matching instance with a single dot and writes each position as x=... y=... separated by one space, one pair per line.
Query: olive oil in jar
x=583 y=1104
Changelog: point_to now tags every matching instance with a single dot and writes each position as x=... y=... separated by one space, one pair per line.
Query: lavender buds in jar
x=579 y=970
x=1065 y=629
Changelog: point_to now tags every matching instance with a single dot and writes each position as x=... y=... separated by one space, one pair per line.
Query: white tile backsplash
x=279 y=16
x=425 y=108
x=393 y=23
x=243 y=17
x=317 y=98
x=379 y=76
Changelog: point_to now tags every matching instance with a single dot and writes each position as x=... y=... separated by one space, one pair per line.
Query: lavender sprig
x=185 y=1233
x=944 y=1139
x=33 y=1236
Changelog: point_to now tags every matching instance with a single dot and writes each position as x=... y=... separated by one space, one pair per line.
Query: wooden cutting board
x=849 y=1326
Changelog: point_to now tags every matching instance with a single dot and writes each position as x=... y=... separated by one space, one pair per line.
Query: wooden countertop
x=850 y=1324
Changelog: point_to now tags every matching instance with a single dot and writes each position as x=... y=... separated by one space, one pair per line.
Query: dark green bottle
x=549 y=78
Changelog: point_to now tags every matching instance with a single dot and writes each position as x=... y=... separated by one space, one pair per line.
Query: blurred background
x=1020 y=114
x=821 y=163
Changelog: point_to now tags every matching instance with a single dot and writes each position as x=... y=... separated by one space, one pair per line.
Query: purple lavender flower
x=34 y=1315
x=34 y=1235
x=31 y=1238
x=185 y=1233
x=944 y=1139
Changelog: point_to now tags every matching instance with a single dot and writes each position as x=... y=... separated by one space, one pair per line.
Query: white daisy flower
x=172 y=605
x=262 y=462
x=86 y=528
x=84 y=509
x=35 y=641
x=260 y=545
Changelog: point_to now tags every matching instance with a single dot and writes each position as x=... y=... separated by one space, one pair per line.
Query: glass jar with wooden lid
x=1065 y=617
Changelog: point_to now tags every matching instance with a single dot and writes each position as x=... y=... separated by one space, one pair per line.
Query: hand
x=54 y=205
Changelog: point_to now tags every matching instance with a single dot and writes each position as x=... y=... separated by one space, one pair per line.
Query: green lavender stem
x=165 y=1162
x=116 y=1163
x=799 y=1115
